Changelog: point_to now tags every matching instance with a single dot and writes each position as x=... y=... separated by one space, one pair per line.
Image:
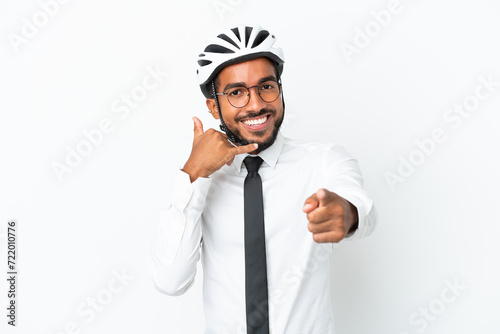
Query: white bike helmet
x=234 y=46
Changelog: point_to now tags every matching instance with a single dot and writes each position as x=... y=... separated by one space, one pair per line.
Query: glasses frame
x=258 y=93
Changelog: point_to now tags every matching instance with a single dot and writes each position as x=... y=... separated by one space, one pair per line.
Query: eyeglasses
x=239 y=97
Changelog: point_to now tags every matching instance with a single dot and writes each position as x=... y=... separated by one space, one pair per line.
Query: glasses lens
x=269 y=91
x=238 y=96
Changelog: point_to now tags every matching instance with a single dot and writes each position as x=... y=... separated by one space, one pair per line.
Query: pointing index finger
x=311 y=203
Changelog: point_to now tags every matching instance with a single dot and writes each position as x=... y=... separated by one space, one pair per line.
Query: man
x=248 y=201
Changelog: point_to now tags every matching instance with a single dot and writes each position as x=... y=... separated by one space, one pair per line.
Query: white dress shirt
x=207 y=215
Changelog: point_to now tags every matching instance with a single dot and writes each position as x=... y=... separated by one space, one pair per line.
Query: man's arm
x=175 y=250
x=344 y=209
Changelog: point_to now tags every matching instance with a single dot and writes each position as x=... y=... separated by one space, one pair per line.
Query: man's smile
x=256 y=123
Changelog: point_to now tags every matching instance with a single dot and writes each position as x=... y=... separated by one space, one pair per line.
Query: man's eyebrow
x=234 y=84
x=242 y=84
x=268 y=78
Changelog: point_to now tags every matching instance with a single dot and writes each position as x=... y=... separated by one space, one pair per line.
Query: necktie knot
x=252 y=163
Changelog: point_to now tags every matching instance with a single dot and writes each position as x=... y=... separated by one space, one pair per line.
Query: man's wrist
x=193 y=176
x=355 y=219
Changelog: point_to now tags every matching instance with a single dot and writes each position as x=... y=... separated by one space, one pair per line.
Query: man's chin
x=256 y=138
x=263 y=142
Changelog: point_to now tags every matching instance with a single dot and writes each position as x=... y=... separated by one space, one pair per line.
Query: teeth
x=257 y=121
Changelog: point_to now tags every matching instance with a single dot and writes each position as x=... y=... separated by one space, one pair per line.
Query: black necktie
x=257 y=304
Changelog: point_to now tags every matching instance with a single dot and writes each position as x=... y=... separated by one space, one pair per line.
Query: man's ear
x=213 y=108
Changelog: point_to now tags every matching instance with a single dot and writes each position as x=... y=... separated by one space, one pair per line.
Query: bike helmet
x=234 y=46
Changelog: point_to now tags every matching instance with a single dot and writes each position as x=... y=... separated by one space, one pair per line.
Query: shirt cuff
x=183 y=191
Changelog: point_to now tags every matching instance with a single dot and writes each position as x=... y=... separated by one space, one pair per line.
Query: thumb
x=324 y=196
x=198 y=127
x=311 y=203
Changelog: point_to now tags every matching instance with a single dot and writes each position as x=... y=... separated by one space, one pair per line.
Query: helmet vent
x=217 y=49
x=227 y=39
x=237 y=33
x=203 y=62
x=260 y=38
x=248 y=31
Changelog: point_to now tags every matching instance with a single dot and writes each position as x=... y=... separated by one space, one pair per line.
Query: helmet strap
x=223 y=125
x=279 y=81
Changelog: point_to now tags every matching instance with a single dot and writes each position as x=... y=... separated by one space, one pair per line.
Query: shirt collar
x=269 y=155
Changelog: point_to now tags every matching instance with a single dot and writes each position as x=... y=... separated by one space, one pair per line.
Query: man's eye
x=267 y=86
x=236 y=92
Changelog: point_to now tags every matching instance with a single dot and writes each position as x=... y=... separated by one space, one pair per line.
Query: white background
x=441 y=224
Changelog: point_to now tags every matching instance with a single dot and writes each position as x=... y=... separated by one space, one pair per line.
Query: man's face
x=258 y=121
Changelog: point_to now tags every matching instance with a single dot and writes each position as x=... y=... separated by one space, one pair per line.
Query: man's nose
x=255 y=103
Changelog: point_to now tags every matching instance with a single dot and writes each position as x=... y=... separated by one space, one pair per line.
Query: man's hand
x=211 y=150
x=330 y=216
